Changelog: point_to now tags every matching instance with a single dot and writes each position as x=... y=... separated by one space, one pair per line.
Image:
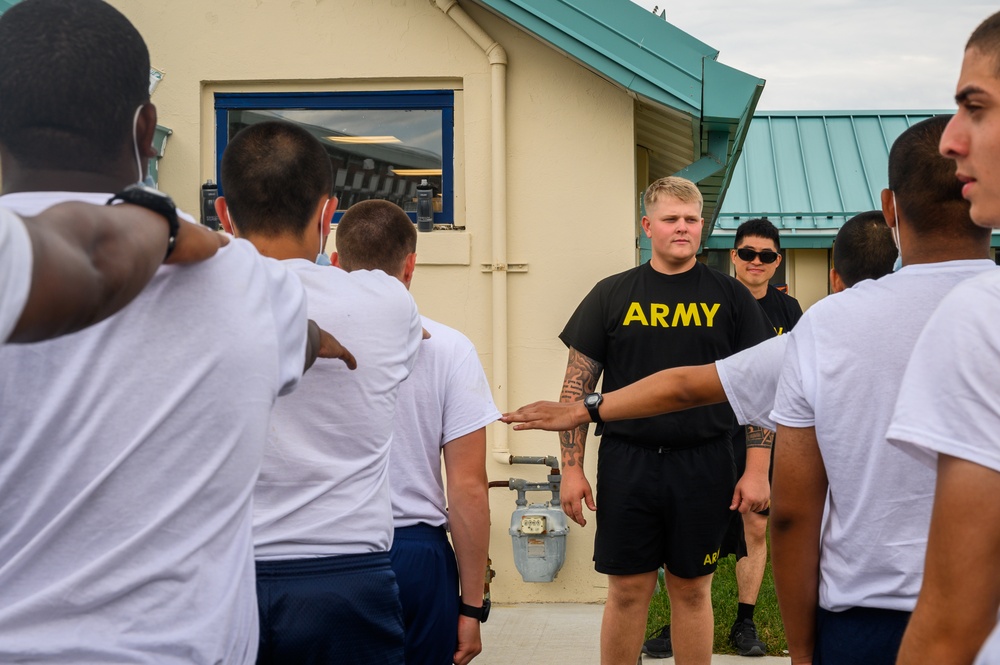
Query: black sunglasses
x=747 y=254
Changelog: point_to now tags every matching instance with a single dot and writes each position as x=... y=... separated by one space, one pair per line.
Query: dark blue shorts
x=858 y=636
x=338 y=609
x=427 y=576
x=668 y=507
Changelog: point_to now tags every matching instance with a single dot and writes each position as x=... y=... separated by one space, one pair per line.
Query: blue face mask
x=895 y=236
x=322 y=259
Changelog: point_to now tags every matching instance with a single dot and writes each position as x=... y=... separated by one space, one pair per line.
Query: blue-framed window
x=381 y=144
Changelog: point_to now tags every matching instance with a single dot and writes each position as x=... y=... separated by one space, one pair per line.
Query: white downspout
x=498 y=148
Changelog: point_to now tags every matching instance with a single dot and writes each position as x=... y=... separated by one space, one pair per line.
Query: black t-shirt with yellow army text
x=641 y=321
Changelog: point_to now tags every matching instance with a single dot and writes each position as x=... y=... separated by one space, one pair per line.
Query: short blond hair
x=673 y=187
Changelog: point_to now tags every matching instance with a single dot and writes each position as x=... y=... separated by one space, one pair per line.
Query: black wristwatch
x=593 y=403
x=481 y=613
x=158 y=202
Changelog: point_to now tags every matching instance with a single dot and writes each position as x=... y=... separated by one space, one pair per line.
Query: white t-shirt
x=324 y=484
x=15 y=271
x=948 y=402
x=446 y=397
x=750 y=379
x=128 y=454
x=989 y=654
x=841 y=374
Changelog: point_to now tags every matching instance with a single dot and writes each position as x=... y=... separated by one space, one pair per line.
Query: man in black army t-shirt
x=667 y=484
x=756 y=255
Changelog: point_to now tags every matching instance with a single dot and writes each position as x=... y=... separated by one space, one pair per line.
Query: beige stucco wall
x=571 y=169
x=808 y=273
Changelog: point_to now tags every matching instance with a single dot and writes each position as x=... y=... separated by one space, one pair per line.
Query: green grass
x=724 y=601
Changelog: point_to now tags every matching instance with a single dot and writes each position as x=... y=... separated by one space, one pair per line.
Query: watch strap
x=153 y=201
x=478 y=613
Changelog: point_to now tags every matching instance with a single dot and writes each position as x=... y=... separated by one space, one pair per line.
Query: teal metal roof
x=809 y=172
x=7 y=4
x=681 y=91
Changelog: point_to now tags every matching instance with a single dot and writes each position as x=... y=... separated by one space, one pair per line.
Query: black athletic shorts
x=667 y=507
x=740 y=452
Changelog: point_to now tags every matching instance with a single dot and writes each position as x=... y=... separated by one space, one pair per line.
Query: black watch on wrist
x=593 y=403
x=158 y=202
x=481 y=613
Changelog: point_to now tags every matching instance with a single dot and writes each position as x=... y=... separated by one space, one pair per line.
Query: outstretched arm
x=799 y=490
x=666 y=391
x=960 y=595
x=89 y=261
x=581 y=378
x=469 y=519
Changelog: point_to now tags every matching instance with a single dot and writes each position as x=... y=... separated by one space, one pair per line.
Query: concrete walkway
x=561 y=633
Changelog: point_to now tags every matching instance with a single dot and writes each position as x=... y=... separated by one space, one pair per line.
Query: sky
x=838 y=54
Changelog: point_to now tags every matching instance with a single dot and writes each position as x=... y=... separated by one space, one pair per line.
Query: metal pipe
x=497 y=57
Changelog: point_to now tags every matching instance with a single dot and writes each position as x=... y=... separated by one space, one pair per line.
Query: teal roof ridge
x=855 y=113
x=621 y=41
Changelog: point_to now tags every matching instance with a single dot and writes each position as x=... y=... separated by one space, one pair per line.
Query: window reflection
x=375 y=153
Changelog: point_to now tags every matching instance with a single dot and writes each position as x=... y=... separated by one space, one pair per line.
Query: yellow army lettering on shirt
x=659 y=315
x=711 y=558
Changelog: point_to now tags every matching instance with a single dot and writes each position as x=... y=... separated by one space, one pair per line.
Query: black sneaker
x=743 y=637
x=658 y=646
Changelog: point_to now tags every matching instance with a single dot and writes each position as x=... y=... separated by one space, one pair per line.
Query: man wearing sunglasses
x=756 y=255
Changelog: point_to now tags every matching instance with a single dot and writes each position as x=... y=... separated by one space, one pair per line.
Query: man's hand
x=753 y=491
x=470 y=643
x=575 y=489
x=550 y=416
x=330 y=347
x=196 y=243
x=752 y=494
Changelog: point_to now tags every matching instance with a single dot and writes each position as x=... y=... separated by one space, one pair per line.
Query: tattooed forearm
x=759 y=437
x=581 y=378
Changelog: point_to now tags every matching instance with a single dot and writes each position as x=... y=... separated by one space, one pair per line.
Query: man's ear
x=645 y=226
x=145 y=131
x=222 y=210
x=888 y=208
x=331 y=209
x=408 y=267
x=335 y=260
x=836 y=283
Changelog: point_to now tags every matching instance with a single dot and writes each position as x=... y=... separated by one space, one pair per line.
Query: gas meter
x=538 y=530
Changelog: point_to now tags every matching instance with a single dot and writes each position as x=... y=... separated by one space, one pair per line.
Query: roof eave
x=658 y=64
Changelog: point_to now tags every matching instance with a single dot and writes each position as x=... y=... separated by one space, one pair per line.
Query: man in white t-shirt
x=948 y=413
x=442 y=411
x=863 y=249
x=322 y=510
x=76 y=264
x=850 y=513
x=128 y=450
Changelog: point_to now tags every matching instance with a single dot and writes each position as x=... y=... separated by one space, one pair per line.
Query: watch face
x=593 y=399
